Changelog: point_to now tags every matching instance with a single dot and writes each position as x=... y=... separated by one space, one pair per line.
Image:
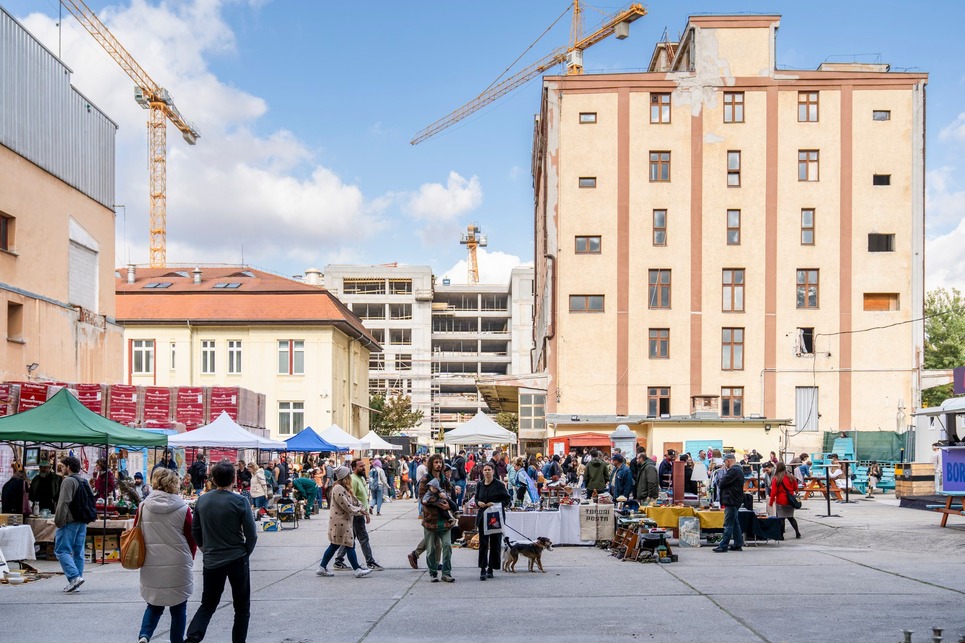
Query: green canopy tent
x=62 y=421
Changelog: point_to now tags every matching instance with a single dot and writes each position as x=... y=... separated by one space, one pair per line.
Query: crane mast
x=617 y=24
x=473 y=239
x=152 y=96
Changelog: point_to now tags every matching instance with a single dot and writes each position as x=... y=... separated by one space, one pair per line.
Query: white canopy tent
x=376 y=443
x=224 y=433
x=335 y=435
x=481 y=429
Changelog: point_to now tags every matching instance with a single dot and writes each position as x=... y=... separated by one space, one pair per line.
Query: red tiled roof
x=262 y=299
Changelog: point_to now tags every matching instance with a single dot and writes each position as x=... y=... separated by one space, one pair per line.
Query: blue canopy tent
x=307 y=441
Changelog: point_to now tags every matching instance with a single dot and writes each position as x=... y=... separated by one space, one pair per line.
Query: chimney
x=131 y=273
x=197 y=276
x=313 y=276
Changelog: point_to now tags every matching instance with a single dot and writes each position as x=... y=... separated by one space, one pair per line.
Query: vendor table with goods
x=17 y=543
x=710 y=519
x=44 y=529
x=562 y=527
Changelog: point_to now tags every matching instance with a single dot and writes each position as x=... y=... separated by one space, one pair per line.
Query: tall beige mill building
x=717 y=226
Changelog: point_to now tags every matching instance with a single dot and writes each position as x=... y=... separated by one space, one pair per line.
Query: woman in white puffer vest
x=166 y=577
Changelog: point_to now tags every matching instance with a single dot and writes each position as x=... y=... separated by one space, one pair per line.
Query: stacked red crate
x=189 y=406
x=122 y=403
x=32 y=395
x=92 y=396
x=157 y=407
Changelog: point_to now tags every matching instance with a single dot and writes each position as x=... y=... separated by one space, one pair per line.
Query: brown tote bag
x=132 y=546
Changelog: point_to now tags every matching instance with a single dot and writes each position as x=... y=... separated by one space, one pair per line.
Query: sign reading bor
x=953 y=470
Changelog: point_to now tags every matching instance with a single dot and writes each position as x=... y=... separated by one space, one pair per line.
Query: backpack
x=82 y=506
x=269 y=479
x=373 y=479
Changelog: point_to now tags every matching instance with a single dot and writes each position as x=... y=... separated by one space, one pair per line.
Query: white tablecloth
x=562 y=527
x=17 y=543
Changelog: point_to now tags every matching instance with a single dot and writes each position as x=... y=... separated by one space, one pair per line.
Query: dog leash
x=513 y=530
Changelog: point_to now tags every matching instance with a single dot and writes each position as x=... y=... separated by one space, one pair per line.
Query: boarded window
x=82 y=277
x=878 y=301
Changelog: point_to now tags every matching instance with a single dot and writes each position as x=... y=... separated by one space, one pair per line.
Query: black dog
x=531 y=550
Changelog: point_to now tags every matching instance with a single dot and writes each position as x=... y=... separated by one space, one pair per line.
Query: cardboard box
x=111 y=545
x=11 y=520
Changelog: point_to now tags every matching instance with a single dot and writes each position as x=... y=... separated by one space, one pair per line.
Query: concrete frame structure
x=595 y=175
x=56 y=221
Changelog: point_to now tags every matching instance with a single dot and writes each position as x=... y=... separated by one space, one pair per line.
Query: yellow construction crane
x=148 y=95
x=616 y=24
x=473 y=239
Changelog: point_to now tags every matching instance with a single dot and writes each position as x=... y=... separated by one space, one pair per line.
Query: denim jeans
x=460 y=486
x=438 y=541
x=236 y=572
x=362 y=536
x=732 y=528
x=152 y=615
x=69 y=548
x=377 y=499
x=348 y=551
x=391 y=479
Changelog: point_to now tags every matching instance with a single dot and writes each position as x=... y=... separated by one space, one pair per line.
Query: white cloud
x=436 y=202
x=494 y=268
x=237 y=187
x=944 y=205
x=955 y=131
x=945 y=259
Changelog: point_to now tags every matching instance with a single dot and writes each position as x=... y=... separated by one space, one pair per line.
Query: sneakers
x=446 y=578
x=362 y=572
x=144 y=639
x=433 y=578
x=482 y=574
x=375 y=567
x=413 y=560
x=323 y=571
x=340 y=567
x=719 y=550
x=74 y=584
x=735 y=548
x=489 y=573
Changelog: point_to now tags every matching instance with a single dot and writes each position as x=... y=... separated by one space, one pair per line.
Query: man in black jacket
x=731 y=485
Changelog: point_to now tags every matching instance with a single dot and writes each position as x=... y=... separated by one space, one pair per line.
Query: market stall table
x=948 y=509
x=17 y=543
x=761 y=528
x=562 y=527
x=44 y=529
x=710 y=519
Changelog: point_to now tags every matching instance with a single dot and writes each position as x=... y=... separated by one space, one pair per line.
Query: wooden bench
x=813 y=485
x=947 y=510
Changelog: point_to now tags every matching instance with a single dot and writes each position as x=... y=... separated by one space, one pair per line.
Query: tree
x=944 y=329
x=392 y=415
x=509 y=421
x=944 y=339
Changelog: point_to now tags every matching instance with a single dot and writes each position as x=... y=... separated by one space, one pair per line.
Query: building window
x=587 y=118
x=658 y=401
x=733 y=227
x=807 y=288
x=733 y=169
x=732 y=292
x=881 y=179
x=659 y=108
x=377 y=361
x=659 y=227
x=807 y=165
x=805 y=341
x=881 y=242
x=291 y=357
x=400 y=311
x=532 y=412
x=659 y=343
x=807 y=226
x=6 y=232
x=881 y=301
x=403 y=362
x=659 y=167
x=587 y=181
x=363 y=286
x=586 y=303
x=733 y=107
x=881 y=115
x=588 y=245
x=658 y=295
x=400 y=336
x=174 y=355
x=14 y=321
x=291 y=417
x=400 y=286
x=807 y=107
x=732 y=402
x=732 y=349
x=142 y=356
x=207 y=356
x=378 y=334
x=369 y=311
x=234 y=356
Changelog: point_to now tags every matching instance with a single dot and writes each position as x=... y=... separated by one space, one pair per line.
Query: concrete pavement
x=863 y=576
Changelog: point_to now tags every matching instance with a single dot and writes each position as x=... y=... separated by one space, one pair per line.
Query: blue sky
x=306 y=109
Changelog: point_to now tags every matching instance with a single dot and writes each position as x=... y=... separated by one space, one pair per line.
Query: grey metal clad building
x=48 y=122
